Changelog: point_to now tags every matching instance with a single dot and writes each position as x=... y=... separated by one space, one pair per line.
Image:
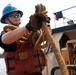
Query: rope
x=34 y=38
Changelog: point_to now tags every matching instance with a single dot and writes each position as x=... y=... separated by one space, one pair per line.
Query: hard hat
x=8 y=9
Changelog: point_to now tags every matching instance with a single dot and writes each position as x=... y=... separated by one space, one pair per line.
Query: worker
x=21 y=58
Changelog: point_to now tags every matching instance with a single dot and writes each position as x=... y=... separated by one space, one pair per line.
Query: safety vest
x=24 y=60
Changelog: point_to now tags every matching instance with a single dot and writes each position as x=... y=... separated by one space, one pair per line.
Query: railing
x=66 y=17
x=57 y=67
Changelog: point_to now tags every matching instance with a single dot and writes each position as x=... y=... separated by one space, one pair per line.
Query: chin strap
x=13 y=23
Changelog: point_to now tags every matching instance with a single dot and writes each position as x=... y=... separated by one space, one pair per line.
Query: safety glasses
x=12 y=15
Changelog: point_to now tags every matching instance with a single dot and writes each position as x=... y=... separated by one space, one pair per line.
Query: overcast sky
x=28 y=8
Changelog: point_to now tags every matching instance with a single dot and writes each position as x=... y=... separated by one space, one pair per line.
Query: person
x=20 y=58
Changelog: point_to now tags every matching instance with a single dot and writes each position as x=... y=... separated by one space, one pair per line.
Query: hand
x=36 y=20
x=28 y=27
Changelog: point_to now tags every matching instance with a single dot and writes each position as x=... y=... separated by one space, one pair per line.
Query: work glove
x=35 y=22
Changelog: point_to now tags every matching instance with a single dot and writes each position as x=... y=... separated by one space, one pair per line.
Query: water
x=2 y=67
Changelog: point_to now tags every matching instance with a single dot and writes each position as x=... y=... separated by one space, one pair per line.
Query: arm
x=12 y=36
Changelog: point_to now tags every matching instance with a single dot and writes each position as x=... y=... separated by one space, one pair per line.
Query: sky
x=28 y=8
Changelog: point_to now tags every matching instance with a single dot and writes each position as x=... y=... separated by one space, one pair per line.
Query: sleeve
x=7 y=47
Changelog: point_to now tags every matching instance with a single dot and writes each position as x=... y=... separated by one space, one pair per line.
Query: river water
x=2 y=67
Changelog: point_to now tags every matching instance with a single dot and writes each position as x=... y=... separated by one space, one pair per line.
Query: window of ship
x=63 y=41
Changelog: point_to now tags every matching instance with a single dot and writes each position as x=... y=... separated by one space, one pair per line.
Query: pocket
x=21 y=56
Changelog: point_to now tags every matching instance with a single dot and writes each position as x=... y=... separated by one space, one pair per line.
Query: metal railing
x=69 y=16
x=57 y=67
